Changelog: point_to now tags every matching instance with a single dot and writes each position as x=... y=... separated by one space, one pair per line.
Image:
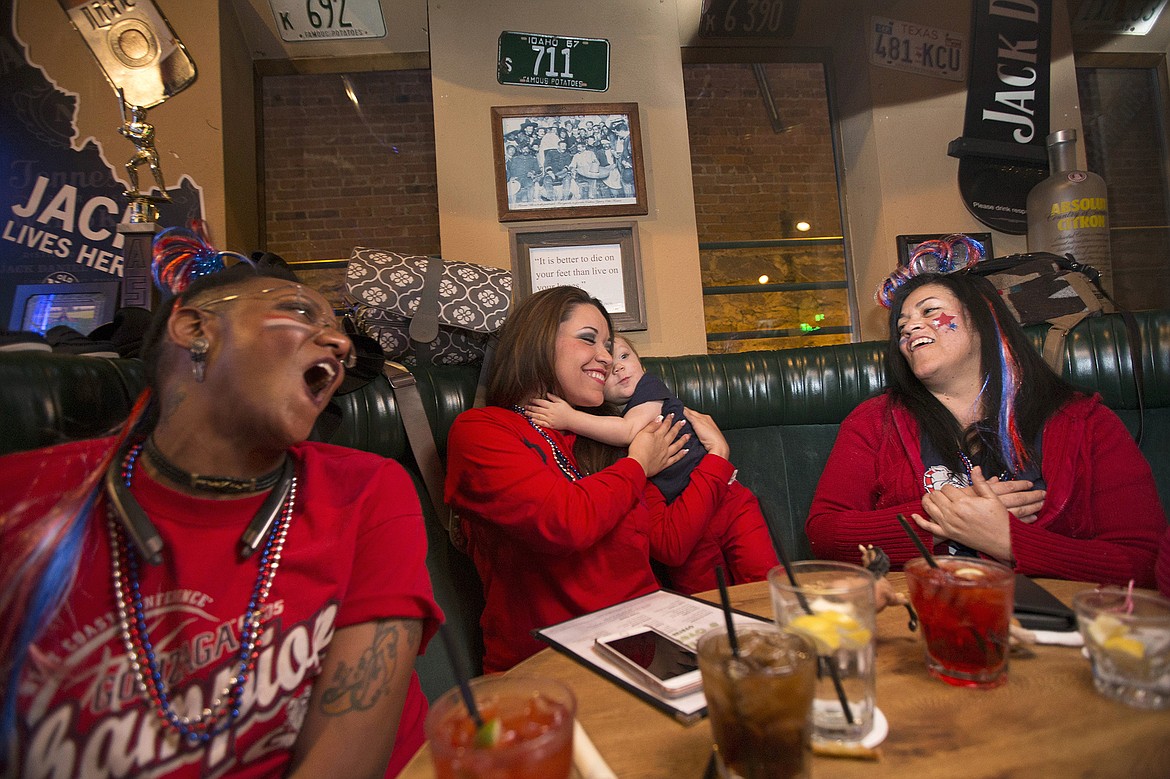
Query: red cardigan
x=1101 y=521
x=548 y=549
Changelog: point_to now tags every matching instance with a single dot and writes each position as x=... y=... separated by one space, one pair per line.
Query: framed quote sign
x=603 y=261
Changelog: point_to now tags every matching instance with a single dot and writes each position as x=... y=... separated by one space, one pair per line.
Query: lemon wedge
x=1124 y=645
x=831 y=630
x=970 y=573
x=1104 y=627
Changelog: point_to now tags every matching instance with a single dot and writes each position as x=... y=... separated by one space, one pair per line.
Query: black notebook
x=1038 y=609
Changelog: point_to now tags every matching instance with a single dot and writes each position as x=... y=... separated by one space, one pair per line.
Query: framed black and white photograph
x=568 y=161
x=603 y=261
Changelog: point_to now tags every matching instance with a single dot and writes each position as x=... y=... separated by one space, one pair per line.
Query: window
x=348 y=160
x=765 y=175
x=1124 y=114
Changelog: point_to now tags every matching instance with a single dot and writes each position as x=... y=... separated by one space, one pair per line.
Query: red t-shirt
x=355 y=552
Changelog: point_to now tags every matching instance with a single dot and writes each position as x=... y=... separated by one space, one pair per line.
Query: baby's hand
x=550 y=411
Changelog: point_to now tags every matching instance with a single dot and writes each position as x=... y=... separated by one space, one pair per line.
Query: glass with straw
x=833 y=605
x=502 y=727
x=964 y=606
x=759 y=683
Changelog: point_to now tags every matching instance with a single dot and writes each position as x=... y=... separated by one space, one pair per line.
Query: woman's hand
x=709 y=434
x=1019 y=497
x=658 y=445
x=975 y=516
x=549 y=411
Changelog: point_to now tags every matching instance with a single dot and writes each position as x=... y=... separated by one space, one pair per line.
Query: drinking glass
x=964 y=609
x=1128 y=638
x=832 y=604
x=528 y=730
x=759 y=701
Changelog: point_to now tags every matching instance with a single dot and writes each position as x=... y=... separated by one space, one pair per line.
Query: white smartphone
x=656 y=659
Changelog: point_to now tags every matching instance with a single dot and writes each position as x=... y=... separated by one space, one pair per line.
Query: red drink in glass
x=965 y=608
x=534 y=739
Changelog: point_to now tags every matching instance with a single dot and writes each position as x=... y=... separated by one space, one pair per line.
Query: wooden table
x=1048 y=720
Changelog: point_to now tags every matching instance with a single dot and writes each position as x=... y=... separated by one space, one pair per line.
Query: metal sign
x=748 y=18
x=322 y=20
x=135 y=47
x=536 y=60
x=1124 y=17
x=917 y=48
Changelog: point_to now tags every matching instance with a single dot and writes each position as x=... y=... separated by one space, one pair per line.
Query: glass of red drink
x=965 y=610
x=528 y=731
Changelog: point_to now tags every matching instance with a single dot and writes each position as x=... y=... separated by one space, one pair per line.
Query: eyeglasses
x=293 y=301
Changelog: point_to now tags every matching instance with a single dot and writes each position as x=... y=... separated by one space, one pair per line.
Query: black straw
x=917 y=542
x=731 y=637
x=460 y=678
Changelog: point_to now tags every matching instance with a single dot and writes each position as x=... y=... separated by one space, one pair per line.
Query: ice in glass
x=527 y=732
x=964 y=609
x=759 y=702
x=1128 y=638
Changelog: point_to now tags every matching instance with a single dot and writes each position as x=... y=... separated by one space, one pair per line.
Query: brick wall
x=337 y=176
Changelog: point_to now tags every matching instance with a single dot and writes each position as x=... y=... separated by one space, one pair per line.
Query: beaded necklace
x=1005 y=476
x=563 y=462
x=219 y=715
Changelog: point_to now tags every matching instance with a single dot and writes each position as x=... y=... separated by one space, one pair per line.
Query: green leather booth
x=779 y=410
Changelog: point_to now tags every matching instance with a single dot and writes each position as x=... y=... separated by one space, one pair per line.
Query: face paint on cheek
x=945 y=322
x=276 y=320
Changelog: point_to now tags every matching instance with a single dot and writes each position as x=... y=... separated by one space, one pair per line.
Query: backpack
x=427 y=309
x=1041 y=287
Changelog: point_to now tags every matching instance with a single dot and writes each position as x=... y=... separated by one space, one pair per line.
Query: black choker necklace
x=142 y=531
x=221 y=484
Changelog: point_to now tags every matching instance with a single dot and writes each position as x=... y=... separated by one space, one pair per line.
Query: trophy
x=143 y=212
x=141 y=134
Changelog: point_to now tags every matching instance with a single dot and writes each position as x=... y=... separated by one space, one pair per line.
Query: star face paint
x=945 y=322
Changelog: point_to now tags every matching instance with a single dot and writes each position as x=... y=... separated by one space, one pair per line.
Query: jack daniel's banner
x=1002 y=151
x=61 y=200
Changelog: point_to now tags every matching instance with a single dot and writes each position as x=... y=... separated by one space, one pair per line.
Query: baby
x=645 y=398
x=738 y=539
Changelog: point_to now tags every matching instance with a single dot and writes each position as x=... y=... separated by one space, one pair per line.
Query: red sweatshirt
x=548 y=549
x=1101 y=520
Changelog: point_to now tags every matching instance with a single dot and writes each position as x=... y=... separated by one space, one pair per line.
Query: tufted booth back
x=779 y=410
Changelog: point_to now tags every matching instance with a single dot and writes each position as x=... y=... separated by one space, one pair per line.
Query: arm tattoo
x=359 y=687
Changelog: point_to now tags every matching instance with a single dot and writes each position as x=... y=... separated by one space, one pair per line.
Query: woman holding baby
x=550 y=539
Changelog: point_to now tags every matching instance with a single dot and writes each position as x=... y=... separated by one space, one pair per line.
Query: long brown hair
x=524 y=365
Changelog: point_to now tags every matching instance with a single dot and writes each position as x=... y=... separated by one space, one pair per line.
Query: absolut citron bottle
x=1068 y=212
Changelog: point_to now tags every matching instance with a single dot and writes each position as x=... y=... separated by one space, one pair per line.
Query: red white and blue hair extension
x=1012 y=450
x=942 y=255
x=42 y=570
x=183 y=254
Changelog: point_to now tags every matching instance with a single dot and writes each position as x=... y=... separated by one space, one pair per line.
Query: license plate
x=322 y=20
x=535 y=60
x=916 y=48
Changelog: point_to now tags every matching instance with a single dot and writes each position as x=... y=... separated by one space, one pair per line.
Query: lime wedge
x=488 y=735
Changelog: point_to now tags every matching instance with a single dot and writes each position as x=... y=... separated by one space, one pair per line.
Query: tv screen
x=82 y=306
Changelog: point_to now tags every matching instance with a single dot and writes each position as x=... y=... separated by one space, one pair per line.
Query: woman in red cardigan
x=550 y=539
x=988 y=450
